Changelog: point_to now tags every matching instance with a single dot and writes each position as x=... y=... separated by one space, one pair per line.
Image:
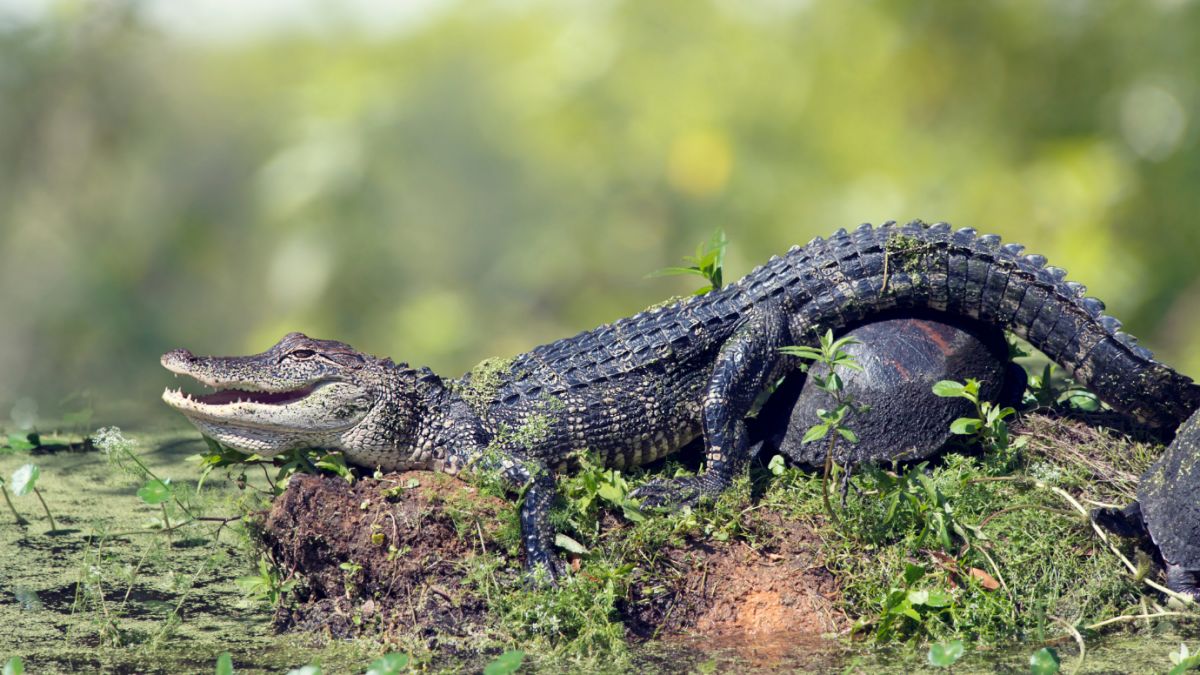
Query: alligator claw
x=547 y=570
x=668 y=495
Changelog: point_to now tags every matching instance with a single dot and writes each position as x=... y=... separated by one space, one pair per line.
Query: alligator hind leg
x=748 y=361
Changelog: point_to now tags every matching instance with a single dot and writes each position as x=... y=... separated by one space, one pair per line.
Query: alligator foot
x=1183 y=581
x=545 y=570
x=669 y=494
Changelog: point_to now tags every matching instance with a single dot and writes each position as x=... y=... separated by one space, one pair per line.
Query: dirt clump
x=381 y=555
x=731 y=588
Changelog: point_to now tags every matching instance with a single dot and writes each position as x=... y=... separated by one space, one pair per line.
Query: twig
x=1011 y=509
x=1162 y=613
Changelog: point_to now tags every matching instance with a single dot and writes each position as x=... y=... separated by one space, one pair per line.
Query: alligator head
x=300 y=393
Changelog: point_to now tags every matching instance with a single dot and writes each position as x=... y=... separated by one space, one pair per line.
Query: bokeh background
x=442 y=181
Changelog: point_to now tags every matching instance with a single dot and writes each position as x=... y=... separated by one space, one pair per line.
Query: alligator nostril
x=178 y=355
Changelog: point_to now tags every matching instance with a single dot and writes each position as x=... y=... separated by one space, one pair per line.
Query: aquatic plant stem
x=38 y=492
x=20 y=520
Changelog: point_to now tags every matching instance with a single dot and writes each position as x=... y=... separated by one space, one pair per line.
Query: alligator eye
x=302 y=354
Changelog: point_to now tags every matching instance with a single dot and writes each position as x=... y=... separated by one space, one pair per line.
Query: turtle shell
x=901 y=358
x=1169 y=493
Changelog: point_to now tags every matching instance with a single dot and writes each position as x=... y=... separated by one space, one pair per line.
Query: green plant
x=224 y=664
x=988 y=425
x=592 y=484
x=708 y=263
x=916 y=495
x=945 y=654
x=505 y=664
x=268 y=584
x=14 y=666
x=286 y=464
x=1183 y=661
x=1043 y=392
x=24 y=481
x=393 y=663
x=907 y=609
x=1044 y=661
x=831 y=354
x=21 y=522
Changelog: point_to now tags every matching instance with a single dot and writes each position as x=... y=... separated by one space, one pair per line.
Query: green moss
x=481 y=383
x=903 y=252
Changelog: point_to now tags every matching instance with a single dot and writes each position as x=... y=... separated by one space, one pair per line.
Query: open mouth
x=229 y=396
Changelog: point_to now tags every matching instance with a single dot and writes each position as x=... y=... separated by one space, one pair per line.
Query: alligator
x=644 y=386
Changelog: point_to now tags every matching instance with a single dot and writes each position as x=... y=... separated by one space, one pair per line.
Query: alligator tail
x=831 y=283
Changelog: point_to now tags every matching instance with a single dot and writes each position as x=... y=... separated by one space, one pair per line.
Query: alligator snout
x=177 y=356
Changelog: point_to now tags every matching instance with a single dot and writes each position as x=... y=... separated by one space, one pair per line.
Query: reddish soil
x=410 y=578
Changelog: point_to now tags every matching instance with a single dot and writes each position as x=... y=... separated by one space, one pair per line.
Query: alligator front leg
x=517 y=473
x=746 y=364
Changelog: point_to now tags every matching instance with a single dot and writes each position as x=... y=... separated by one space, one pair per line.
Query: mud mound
x=392 y=555
x=732 y=589
x=380 y=555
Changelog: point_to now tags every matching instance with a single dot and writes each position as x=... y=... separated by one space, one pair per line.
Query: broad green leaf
x=568 y=544
x=918 y=597
x=632 y=513
x=943 y=655
x=20 y=443
x=155 y=491
x=801 y=351
x=938 y=598
x=815 y=433
x=1044 y=662
x=848 y=434
x=224 y=664
x=393 y=663
x=24 y=479
x=14 y=666
x=1083 y=400
x=777 y=465
x=948 y=389
x=912 y=573
x=966 y=426
x=610 y=493
x=506 y=663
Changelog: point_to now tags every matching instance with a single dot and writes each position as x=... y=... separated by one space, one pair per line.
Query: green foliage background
x=493 y=175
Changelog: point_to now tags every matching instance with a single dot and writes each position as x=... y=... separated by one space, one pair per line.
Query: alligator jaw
x=223 y=403
x=260 y=407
